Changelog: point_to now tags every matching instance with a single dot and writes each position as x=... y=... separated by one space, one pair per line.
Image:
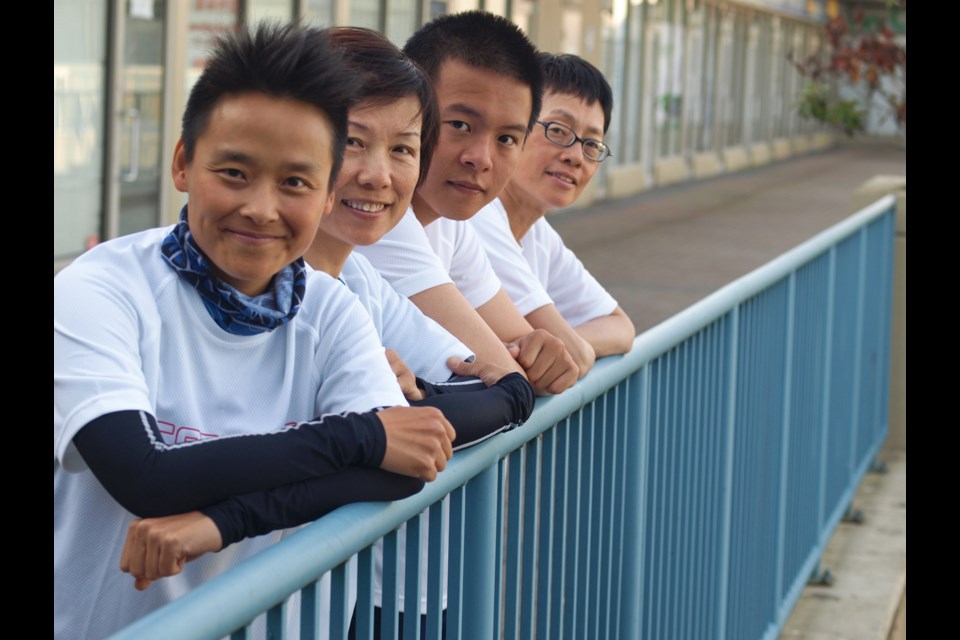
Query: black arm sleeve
x=479 y=413
x=475 y=411
x=255 y=514
x=126 y=452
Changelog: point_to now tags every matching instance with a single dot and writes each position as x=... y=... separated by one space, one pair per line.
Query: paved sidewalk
x=663 y=250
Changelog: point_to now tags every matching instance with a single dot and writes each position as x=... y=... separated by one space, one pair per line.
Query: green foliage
x=815 y=104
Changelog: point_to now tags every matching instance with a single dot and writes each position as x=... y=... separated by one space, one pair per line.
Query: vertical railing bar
x=827 y=368
x=635 y=494
x=655 y=524
x=243 y=633
x=546 y=519
x=364 y=606
x=698 y=529
x=785 y=439
x=687 y=506
x=715 y=411
x=571 y=546
x=660 y=495
x=586 y=453
x=676 y=489
x=276 y=615
x=389 y=608
x=499 y=543
x=411 y=580
x=517 y=525
x=479 y=564
x=599 y=512
x=857 y=353
x=456 y=573
x=339 y=603
x=728 y=472
x=531 y=524
x=614 y=417
x=436 y=567
x=309 y=611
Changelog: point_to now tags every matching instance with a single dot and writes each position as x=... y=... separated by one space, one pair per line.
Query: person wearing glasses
x=543 y=278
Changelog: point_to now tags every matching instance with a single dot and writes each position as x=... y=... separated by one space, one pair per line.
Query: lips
x=467 y=187
x=251 y=237
x=563 y=177
x=366 y=207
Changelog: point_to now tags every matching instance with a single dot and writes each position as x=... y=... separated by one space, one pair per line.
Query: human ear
x=178 y=169
x=328 y=205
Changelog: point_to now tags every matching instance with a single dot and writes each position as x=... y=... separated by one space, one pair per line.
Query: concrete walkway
x=663 y=250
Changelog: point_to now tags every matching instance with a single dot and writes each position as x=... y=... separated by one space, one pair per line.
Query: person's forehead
x=574 y=110
x=469 y=88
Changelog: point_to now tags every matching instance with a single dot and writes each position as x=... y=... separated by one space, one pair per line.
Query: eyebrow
x=409 y=133
x=467 y=110
x=563 y=113
x=231 y=155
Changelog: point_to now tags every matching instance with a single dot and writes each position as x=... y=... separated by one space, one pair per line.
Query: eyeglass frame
x=576 y=139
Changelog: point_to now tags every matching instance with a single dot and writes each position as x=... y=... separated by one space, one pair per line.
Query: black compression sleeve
x=474 y=410
x=290 y=505
x=126 y=453
x=476 y=414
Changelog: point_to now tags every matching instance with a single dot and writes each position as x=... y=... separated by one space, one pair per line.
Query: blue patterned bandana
x=232 y=310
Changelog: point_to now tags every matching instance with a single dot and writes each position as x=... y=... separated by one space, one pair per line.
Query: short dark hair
x=388 y=74
x=483 y=40
x=572 y=75
x=283 y=61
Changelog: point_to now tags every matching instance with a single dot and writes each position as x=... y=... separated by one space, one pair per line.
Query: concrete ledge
x=706 y=164
x=626 y=180
x=735 y=159
x=868 y=562
x=759 y=153
x=800 y=144
x=823 y=140
x=781 y=149
x=670 y=171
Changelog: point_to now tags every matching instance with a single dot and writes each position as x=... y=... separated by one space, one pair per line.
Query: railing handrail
x=322 y=545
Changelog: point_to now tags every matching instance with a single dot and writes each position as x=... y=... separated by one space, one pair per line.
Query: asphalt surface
x=661 y=251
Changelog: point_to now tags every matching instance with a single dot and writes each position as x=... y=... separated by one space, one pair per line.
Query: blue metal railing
x=684 y=490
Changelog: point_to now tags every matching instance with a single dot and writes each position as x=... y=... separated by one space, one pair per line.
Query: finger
x=142 y=583
x=170 y=560
x=514 y=350
x=127 y=552
x=137 y=549
x=462 y=367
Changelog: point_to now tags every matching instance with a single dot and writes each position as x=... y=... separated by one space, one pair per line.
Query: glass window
x=79 y=72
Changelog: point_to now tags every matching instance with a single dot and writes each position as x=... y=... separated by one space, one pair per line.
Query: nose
x=263 y=206
x=478 y=155
x=374 y=172
x=572 y=155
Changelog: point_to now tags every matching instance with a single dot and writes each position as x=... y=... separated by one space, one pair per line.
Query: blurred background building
x=702 y=87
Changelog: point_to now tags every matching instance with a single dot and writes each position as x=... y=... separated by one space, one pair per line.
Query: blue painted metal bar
x=684 y=490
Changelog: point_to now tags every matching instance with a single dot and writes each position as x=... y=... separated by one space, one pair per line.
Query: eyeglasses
x=560 y=134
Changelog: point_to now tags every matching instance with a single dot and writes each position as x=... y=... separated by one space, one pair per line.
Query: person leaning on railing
x=202 y=361
x=543 y=278
x=391 y=133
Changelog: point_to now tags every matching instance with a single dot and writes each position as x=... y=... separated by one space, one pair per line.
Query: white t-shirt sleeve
x=423 y=344
x=405 y=258
x=577 y=294
x=461 y=252
x=354 y=372
x=492 y=226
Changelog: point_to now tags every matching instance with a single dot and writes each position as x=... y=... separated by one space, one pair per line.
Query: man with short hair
x=488 y=84
x=545 y=280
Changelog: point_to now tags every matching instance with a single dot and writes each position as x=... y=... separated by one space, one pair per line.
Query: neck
x=522 y=214
x=328 y=254
x=424 y=212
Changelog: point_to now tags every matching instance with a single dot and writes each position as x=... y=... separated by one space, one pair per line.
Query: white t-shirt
x=493 y=228
x=423 y=344
x=130 y=334
x=414 y=258
x=577 y=295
